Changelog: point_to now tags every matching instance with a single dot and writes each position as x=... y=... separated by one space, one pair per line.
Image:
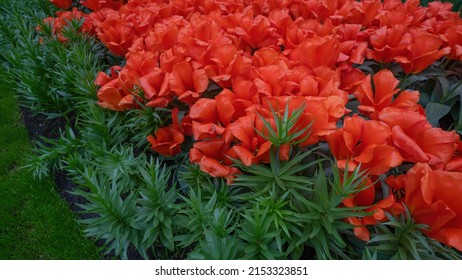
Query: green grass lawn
x=35 y=223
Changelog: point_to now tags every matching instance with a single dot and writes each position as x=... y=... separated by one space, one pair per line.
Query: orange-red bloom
x=188 y=83
x=423 y=51
x=200 y=35
x=96 y=5
x=350 y=78
x=226 y=64
x=167 y=141
x=453 y=36
x=352 y=49
x=111 y=95
x=252 y=147
x=364 y=12
x=389 y=42
x=254 y=31
x=433 y=196
x=366 y=143
x=383 y=95
x=367 y=198
x=455 y=164
x=417 y=140
x=156 y=88
x=116 y=35
x=64 y=18
x=209 y=116
x=62 y=4
x=211 y=155
x=317 y=51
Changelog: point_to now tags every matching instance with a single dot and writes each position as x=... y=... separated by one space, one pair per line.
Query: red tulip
x=417 y=140
x=226 y=64
x=455 y=164
x=167 y=141
x=424 y=50
x=453 y=37
x=156 y=88
x=350 y=78
x=63 y=19
x=96 y=5
x=188 y=83
x=210 y=155
x=254 y=31
x=364 y=12
x=383 y=95
x=389 y=42
x=352 y=48
x=367 y=198
x=317 y=51
x=211 y=116
x=202 y=34
x=366 y=143
x=111 y=95
x=116 y=35
x=62 y=4
x=252 y=147
x=433 y=196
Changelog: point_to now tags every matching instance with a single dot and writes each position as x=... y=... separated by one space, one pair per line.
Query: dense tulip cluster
x=272 y=55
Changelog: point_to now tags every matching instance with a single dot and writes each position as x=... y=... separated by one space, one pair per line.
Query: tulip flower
x=423 y=51
x=62 y=4
x=433 y=198
x=383 y=96
x=167 y=141
x=366 y=143
x=416 y=139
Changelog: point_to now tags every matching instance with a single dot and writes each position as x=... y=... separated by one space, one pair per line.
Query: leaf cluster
x=50 y=77
x=401 y=238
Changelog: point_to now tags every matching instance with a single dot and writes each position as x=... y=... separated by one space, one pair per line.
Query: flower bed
x=287 y=129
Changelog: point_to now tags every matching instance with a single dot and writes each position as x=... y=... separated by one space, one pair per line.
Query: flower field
x=251 y=129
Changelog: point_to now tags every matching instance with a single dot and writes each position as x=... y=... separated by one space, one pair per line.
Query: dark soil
x=39 y=126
